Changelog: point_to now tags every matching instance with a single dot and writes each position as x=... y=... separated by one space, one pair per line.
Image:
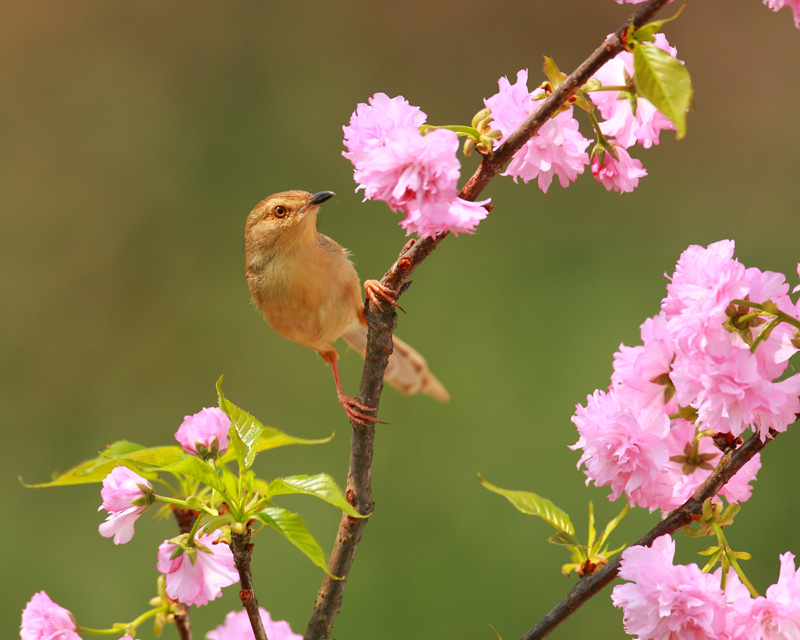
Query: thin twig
x=381 y=324
x=588 y=586
x=242 y=550
x=183 y=622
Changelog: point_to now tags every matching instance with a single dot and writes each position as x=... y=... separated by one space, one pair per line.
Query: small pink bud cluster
x=697 y=361
x=409 y=171
x=664 y=600
x=205 y=434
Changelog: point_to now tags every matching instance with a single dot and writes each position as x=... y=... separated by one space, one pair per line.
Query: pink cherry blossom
x=730 y=393
x=624 y=449
x=641 y=373
x=681 y=436
x=237 y=627
x=620 y=122
x=558 y=149
x=618 y=174
x=127 y=637
x=371 y=123
x=43 y=619
x=125 y=496
x=458 y=216
x=196 y=583
x=705 y=281
x=666 y=601
x=411 y=172
x=205 y=433
x=794 y=5
x=775 y=616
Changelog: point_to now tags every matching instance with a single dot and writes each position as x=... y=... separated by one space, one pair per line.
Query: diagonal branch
x=588 y=586
x=381 y=324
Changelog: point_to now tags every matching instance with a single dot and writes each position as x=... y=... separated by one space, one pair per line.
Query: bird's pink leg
x=352 y=407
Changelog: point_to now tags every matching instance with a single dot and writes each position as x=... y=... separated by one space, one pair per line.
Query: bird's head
x=283 y=218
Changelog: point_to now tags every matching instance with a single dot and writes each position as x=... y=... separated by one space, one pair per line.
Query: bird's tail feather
x=407 y=370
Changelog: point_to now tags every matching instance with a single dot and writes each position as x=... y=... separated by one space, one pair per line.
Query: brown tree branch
x=381 y=324
x=590 y=585
x=242 y=550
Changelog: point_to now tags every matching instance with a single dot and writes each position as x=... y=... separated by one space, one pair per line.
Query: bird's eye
x=279 y=211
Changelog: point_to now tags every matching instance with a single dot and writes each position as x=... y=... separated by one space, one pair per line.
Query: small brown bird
x=308 y=290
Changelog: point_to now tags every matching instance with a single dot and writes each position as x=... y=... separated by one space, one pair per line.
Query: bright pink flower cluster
x=695 y=354
x=671 y=602
x=411 y=172
x=204 y=434
x=237 y=627
x=125 y=496
x=196 y=581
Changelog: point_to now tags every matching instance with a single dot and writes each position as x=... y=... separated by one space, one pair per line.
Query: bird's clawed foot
x=355 y=411
x=376 y=291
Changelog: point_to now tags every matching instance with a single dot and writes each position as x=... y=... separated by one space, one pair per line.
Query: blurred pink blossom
x=237 y=627
x=205 y=433
x=794 y=5
x=618 y=174
x=125 y=496
x=43 y=619
x=558 y=148
x=196 y=583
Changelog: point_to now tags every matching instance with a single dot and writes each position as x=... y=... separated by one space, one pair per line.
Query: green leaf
x=321 y=486
x=647 y=32
x=245 y=430
x=564 y=539
x=553 y=73
x=291 y=526
x=613 y=525
x=156 y=457
x=665 y=82
x=272 y=438
x=93 y=470
x=534 y=505
x=194 y=467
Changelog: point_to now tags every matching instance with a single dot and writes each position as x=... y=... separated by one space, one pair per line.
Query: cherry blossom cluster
x=664 y=600
x=196 y=566
x=411 y=172
x=775 y=5
x=414 y=168
x=708 y=365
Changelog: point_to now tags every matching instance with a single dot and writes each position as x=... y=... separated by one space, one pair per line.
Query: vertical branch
x=381 y=324
x=186 y=519
x=242 y=550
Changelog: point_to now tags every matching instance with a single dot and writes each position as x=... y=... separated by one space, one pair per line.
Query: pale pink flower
x=623 y=448
x=43 y=619
x=237 y=627
x=620 y=122
x=680 y=439
x=127 y=637
x=458 y=216
x=641 y=373
x=370 y=124
x=618 y=174
x=666 y=601
x=196 y=583
x=558 y=149
x=204 y=434
x=125 y=496
x=775 y=616
x=412 y=170
x=794 y=5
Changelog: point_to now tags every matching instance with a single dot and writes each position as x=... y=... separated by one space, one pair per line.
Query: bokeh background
x=136 y=137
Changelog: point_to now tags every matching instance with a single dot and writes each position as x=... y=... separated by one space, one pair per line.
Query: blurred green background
x=136 y=137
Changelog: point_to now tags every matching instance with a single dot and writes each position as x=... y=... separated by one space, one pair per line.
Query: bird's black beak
x=320 y=197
